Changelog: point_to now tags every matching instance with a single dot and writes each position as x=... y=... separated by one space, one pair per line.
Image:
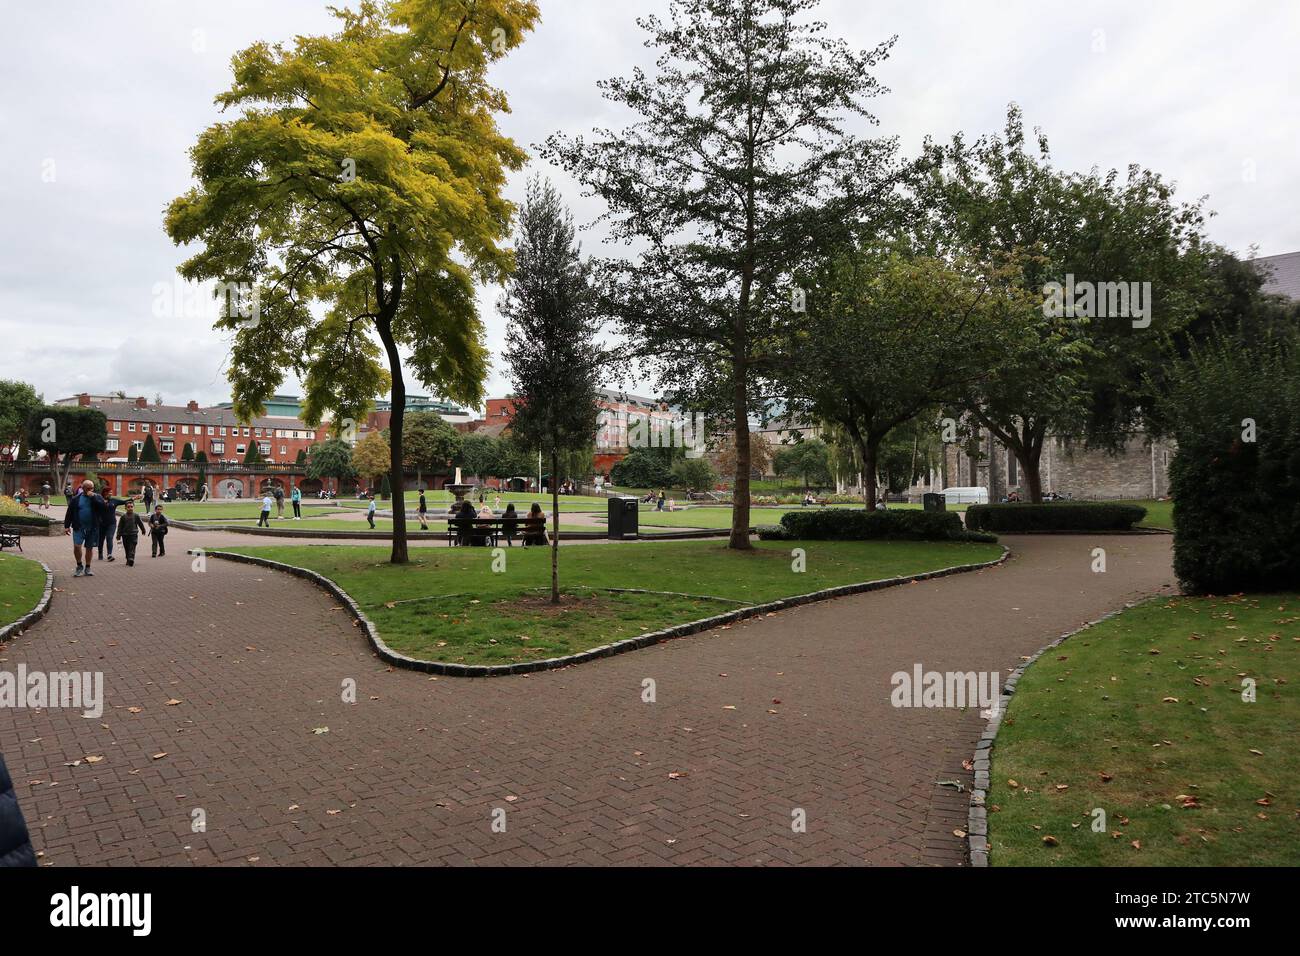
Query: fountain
x=459 y=489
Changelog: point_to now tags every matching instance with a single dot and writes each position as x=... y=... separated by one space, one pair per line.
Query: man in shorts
x=86 y=513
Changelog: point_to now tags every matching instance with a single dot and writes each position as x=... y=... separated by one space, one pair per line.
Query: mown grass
x=22 y=582
x=1142 y=717
x=450 y=605
x=1160 y=514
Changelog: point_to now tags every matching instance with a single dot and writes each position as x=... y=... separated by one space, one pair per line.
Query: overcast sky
x=99 y=103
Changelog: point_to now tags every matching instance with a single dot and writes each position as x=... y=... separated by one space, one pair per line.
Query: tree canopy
x=358 y=193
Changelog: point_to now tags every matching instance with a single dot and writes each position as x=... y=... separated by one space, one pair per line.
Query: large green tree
x=429 y=444
x=554 y=359
x=62 y=431
x=891 y=337
x=18 y=401
x=740 y=167
x=358 y=193
x=331 y=458
x=1078 y=373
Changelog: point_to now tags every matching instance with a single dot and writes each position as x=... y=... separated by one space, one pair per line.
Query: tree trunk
x=555 y=524
x=740 y=496
x=870 y=449
x=397 y=476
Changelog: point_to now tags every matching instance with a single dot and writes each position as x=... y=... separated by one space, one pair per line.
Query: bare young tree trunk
x=740 y=495
x=555 y=525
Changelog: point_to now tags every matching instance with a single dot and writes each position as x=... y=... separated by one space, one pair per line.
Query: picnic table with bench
x=480 y=532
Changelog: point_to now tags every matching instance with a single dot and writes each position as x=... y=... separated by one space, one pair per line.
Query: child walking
x=158 y=525
x=129 y=530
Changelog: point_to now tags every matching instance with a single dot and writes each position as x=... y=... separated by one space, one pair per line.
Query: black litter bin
x=623 y=518
x=935 y=502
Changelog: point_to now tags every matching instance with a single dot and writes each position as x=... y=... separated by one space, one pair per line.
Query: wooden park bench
x=10 y=538
x=484 y=532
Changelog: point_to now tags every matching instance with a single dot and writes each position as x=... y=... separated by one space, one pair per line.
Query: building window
x=218 y=448
x=168 y=447
x=131 y=427
x=283 y=450
x=117 y=426
x=223 y=431
x=139 y=446
x=185 y=429
x=171 y=429
x=239 y=449
x=111 y=445
x=245 y=432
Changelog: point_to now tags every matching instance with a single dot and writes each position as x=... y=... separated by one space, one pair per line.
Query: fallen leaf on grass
x=1050 y=840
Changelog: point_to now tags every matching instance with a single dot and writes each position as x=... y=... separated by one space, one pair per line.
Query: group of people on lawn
x=92 y=520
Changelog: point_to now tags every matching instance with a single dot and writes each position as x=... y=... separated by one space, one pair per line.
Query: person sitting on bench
x=510 y=524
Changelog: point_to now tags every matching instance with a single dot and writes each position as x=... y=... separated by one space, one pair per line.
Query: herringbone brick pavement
x=585 y=772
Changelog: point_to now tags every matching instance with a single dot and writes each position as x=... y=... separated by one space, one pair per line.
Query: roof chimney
x=83 y=399
x=142 y=402
x=193 y=406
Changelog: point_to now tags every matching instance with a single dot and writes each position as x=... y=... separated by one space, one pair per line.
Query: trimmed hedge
x=1054 y=516
x=35 y=521
x=842 y=524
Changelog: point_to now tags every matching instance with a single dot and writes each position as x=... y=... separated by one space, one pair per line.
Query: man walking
x=279 y=503
x=370 y=514
x=296 y=496
x=82 y=520
x=158 y=525
x=265 y=520
x=129 y=530
x=45 y=495
x=148 y=498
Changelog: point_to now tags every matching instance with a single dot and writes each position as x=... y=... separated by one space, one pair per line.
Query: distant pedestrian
x=279 y=503
x=297 y=503
x=148 y=498
x=203 y=492
x=82 y=520
x=370 y=513
x=267 y=503
x=663 y=499
x=422 y=511
x=45 y=495
x=158 y=525
x=129 y=530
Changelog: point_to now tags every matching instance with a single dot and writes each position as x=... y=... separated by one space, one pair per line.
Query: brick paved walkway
x=581 y=766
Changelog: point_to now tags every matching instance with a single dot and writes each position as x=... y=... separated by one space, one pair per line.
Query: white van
x=965 y=496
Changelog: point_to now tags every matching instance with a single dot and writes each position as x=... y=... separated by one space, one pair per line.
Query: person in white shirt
x=267 y=504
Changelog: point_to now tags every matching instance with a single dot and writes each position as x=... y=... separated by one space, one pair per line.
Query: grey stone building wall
x=1139 y=470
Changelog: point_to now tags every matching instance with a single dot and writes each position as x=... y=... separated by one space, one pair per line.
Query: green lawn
x=440 y=499
x=21 y=584
x=227 y=510
x=1143 y=718
x=465 y=613
x=1160 y=514
x=384 y=525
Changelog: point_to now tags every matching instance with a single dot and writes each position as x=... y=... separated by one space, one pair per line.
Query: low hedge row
x=842 y=524
x=1054 y=516
x=13 y=521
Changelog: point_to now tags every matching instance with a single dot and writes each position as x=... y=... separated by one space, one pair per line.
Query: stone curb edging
x=389 y=656
x=977 y=817
x=10 y=631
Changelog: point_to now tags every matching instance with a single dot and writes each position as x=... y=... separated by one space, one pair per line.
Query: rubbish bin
x=623 y=518
x=934 y=502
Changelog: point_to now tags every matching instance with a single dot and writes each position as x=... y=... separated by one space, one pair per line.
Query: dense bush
x=1054 y=516
x=642 y=469
x=1234 y=409
x=843 y=524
